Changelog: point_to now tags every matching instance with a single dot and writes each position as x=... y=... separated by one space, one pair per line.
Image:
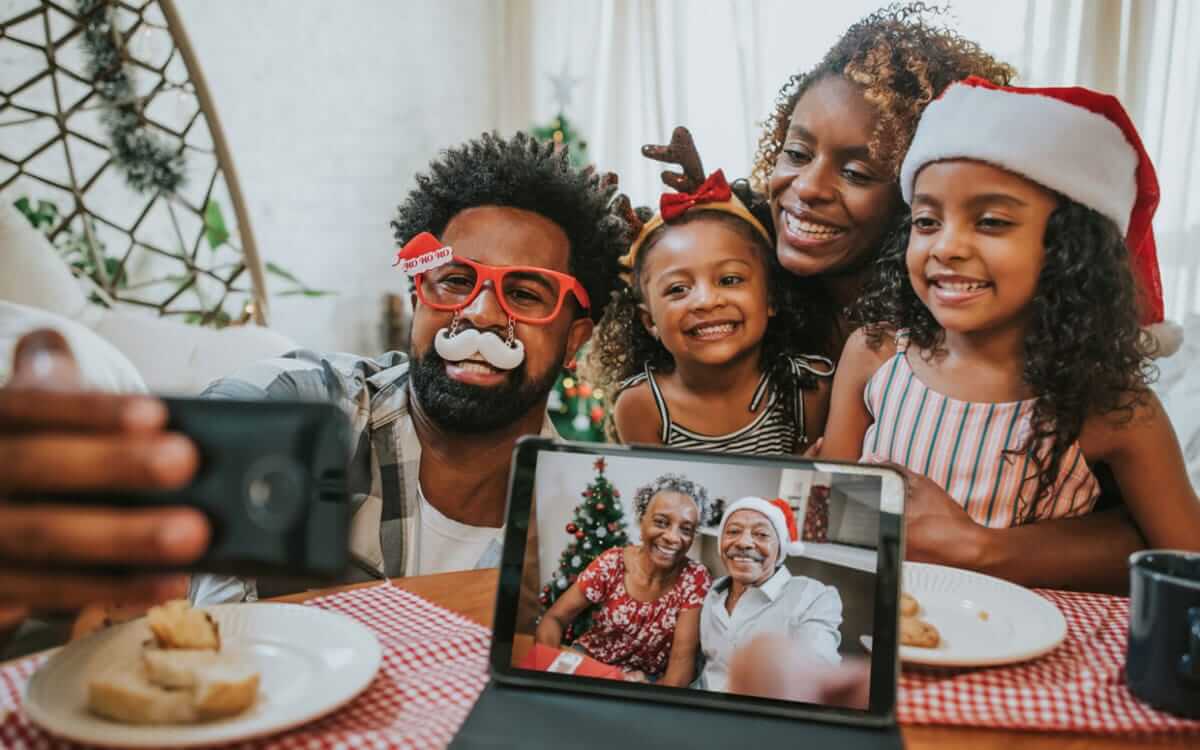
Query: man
x=434 y=437
x=436 y=429
x=760 y=597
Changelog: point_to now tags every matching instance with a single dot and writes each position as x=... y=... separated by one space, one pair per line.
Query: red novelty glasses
x=527 y=293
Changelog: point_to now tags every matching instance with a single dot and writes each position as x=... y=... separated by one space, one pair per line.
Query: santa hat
x=1072 y=140
x=782 y=519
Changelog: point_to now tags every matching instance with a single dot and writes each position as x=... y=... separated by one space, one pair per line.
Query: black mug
x=1163 y=664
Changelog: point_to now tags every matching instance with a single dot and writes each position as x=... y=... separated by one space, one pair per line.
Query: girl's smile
x=713 y=330
x=955 y=289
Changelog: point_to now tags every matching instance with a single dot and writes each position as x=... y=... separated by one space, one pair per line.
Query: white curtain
x=644 y=66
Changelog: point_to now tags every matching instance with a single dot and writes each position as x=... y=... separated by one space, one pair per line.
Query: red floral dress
x=632 y=634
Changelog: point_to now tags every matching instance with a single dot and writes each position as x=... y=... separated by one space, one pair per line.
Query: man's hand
x=774 y=666
x=936 y=528
x=56 y=438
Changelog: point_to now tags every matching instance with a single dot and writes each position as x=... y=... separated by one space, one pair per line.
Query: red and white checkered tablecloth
x=1078 y=687
x=434 y=666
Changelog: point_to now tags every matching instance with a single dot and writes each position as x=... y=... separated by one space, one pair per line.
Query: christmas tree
x=576 y=407
x=559 y=131
x=599 y=524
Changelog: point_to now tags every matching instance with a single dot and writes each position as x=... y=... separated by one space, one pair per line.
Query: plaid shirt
x=386 y=458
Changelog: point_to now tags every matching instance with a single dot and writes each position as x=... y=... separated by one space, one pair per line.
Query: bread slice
x=224 y=689
x=176 y=667
x=127 y=695
x=176 y=625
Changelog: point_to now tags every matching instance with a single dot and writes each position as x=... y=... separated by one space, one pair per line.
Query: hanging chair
x=177 y=242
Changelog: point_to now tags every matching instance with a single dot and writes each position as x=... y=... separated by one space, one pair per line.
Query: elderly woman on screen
x=759 y=595
x=647 y=595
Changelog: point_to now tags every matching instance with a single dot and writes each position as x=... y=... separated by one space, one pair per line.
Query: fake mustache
x=467 y=343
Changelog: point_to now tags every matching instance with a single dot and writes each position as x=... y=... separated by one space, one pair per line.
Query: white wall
x=330 y=109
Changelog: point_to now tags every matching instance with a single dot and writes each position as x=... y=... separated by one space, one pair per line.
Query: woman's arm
x=1147 y=463
x=1086 y=553
x=636 y=416
x=681 y=669
x=560 y=616
x=848 y=415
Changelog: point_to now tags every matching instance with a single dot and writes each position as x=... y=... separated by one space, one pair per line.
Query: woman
x=648 y=595
x=829 y=160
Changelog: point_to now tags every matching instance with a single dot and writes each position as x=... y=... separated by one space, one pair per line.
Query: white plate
x=312 y=662
x=983 y=621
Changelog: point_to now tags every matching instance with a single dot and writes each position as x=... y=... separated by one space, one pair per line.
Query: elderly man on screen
x=759 y=595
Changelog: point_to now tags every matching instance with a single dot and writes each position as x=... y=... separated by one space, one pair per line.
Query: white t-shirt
x=445 y=545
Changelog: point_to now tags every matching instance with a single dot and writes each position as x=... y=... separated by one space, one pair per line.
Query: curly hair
x=902 y=60
x=621 y=346
x=1102 y=367
x=684 y=486
x=520 y=172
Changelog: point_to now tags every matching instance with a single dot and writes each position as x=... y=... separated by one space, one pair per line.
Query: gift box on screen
x=546 y=659
x=816 y=516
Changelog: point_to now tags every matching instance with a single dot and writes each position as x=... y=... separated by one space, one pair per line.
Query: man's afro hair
x=520 y=172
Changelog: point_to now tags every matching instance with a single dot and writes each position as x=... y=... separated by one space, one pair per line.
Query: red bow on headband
x=713 y=190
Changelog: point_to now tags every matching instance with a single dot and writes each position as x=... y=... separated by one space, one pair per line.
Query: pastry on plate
x=917 y=632
x=180 y=676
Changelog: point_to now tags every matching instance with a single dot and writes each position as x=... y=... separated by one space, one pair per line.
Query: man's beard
x=459 y=407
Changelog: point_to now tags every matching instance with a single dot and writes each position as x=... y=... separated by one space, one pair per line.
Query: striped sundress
x=771 y=433
x=960 y=445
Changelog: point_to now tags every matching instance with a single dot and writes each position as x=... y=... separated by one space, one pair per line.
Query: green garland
x=149 y=163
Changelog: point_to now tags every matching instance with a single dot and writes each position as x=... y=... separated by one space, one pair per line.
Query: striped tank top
x=773 y=432
x=960 y=445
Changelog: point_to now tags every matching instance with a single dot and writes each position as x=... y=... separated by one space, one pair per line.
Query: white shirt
x=804 y=609
x=445 y=545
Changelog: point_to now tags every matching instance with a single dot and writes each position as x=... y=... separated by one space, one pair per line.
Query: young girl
x=693 y=349
x=1002 y=358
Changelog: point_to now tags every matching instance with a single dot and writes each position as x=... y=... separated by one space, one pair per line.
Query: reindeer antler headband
x=695 y=192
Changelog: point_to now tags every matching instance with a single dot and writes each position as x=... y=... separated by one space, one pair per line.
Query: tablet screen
x=707 y=575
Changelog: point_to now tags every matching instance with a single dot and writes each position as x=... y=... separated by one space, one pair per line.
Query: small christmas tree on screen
x=598 y=524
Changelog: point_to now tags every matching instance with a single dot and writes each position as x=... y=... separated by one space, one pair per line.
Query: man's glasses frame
x=567 y=284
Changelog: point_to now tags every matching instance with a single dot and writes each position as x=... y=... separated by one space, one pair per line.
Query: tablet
x=616 y=566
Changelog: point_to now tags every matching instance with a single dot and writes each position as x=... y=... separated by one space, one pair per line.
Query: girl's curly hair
x=621 y=346
x=902 y=60
x=1085 y=353
x=684 y=486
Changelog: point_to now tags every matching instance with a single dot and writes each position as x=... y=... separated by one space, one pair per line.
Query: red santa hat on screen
x=1072 y=140
x=782 y=519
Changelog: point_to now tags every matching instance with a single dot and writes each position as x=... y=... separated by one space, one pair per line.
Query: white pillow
x=101 y=366
x=31 y=271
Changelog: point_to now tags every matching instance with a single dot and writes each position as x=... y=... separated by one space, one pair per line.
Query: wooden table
x=473 y=593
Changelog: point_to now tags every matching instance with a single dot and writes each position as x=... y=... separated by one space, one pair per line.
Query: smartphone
x=272 y=481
